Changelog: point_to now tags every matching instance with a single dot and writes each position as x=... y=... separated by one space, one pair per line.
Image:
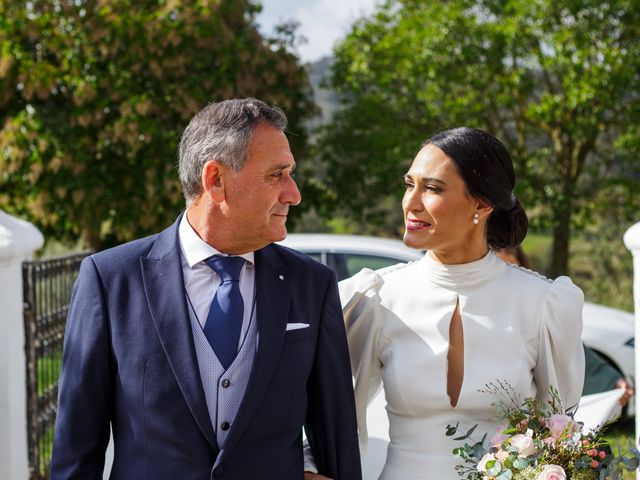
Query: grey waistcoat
x=224 y=390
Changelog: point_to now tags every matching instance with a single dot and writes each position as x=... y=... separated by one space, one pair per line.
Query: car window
x=348 y=264
x=338 y=262
x=355 y=263
x=317 y=256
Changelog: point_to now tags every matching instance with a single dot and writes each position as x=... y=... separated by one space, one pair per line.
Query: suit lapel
x=273 y=295
x=164 y=288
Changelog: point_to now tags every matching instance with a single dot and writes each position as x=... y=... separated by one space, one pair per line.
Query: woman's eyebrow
x=427 y=179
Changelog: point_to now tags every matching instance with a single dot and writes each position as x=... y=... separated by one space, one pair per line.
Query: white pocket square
x=296 y=326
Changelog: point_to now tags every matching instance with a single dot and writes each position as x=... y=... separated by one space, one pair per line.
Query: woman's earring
x=476 y=218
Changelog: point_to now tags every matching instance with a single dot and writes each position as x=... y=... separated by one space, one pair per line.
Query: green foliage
x=556 y=81
x=619 y=436
x=95 y=94
x=601 y=264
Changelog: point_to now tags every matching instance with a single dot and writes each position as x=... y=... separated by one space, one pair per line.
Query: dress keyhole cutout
x=455 y=357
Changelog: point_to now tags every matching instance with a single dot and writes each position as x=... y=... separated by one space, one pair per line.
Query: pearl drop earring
x=476 y=218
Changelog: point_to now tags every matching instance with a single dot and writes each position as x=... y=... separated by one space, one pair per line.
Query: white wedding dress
x=519 y=328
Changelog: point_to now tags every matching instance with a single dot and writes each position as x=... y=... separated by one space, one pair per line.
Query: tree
x=94 y=95
x=557 y=81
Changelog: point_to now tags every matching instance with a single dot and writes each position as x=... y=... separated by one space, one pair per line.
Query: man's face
x=258 y=197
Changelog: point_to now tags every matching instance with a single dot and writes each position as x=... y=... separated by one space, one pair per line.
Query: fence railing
x=47 y=291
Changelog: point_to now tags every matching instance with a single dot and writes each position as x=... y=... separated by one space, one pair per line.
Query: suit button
x=226 y=383
x=225 y=426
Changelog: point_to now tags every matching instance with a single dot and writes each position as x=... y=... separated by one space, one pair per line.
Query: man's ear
x=213 y=178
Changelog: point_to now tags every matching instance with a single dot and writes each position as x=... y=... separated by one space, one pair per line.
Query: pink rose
x=559 y=424
x=524 y=444
x=482 y=464
x=498 y=438
x=552 y=472
x=501 y=456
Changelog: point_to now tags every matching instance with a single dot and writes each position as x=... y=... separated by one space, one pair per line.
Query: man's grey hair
x=221 y=131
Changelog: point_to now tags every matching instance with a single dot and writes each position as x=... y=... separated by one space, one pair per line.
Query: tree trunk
x=91 y=239
x=560 y=248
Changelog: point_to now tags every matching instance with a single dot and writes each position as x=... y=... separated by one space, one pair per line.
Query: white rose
x=524 y=444
x=552 y=472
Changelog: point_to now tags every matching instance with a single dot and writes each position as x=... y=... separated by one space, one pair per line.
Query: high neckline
x=461 y=275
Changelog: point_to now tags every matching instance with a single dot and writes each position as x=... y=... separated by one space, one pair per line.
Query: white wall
x=18 y=241
x=632 y=242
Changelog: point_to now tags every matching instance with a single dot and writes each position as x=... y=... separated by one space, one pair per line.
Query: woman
x=436 y=331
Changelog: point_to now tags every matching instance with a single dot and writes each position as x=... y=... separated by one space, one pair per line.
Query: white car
x=348 y=254
x=607 y=331
x=610 y=332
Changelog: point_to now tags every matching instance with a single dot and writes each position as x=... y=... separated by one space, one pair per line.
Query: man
x=206 y=347
x=600 y=376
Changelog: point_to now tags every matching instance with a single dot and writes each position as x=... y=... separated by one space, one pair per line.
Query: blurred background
x=94 y=95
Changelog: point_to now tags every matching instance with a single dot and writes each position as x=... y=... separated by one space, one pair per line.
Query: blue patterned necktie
x=224 y=321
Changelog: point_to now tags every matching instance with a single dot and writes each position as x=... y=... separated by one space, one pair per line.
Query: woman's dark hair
x=486 y=168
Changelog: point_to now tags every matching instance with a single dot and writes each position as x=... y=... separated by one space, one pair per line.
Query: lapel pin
x=281 y=277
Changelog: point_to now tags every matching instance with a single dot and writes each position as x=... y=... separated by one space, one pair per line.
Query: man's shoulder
x=298 y=259
x=128 y=254
x=124 y=254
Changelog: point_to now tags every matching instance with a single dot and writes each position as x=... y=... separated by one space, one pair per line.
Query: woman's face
x=439 y=212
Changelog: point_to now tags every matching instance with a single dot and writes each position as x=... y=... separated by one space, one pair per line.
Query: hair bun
x=507 y=228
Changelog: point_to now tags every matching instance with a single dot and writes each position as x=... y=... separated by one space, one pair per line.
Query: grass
x=45 y=449
x=601 y=267
x=49 y=371
x=618 y=436
x=537 y=246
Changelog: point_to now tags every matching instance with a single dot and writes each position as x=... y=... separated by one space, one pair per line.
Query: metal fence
x=47 y=291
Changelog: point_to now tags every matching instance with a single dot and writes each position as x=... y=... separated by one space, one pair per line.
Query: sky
x=322 y=22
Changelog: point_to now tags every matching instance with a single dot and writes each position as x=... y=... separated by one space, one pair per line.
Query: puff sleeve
x=363 y=320
x=561 y=355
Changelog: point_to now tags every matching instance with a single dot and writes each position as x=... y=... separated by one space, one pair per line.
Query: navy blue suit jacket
x=129 y=359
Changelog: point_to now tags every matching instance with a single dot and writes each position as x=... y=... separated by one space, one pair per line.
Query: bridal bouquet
x=539 y=441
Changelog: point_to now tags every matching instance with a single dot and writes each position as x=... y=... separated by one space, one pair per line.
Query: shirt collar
x=195 y=250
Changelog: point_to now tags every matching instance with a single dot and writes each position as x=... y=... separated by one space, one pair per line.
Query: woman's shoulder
x=560 y=294
x=539 y=288
x=524 y=277
x=370 y=282
x=527 y=276
x=564 y=298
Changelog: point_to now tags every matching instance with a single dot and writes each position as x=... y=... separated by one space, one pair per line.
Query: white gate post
x=632 y=242
x=18 y=241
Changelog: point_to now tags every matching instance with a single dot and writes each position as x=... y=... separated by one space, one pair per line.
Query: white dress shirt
x=201 y=282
